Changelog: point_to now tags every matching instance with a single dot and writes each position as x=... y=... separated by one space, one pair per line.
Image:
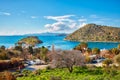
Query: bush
x=113 y=73
x=55 y=78
x=7 y=76
x=48 y=67
x=107 y=62
x=37 y=72
x=79 y=73
x=26 y=72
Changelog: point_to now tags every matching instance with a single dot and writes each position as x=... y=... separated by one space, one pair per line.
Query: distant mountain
x=47 y=34
x=93 y=32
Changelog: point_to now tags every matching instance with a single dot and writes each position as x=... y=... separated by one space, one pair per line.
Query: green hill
x=93 y=32
x=30 y=40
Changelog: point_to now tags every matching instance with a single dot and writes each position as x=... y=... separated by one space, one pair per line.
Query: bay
x=57 y=41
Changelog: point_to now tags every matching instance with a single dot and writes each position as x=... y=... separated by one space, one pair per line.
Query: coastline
x=94 y=41
x=60 y=42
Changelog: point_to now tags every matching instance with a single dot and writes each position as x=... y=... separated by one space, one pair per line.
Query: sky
x=18 y=17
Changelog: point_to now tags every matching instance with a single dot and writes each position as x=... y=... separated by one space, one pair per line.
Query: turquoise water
x=58 y=42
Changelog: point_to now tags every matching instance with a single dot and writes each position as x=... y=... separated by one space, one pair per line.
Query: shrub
x=48 y=67
x=9 y=76
x=113 y=72
x=107 y=62
x=37 y=72
x=26 y=72
x=55 y=78
x=117 y=59
x=6 y=75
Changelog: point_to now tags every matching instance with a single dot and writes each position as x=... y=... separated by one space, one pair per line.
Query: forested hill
x=93 y=32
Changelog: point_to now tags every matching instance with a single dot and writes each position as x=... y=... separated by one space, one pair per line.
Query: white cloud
x=33 y=17
x=67 y=23
x=5 y=13
x=63 y=23
x=82 y=24
x=60 y=26
x=94 y=16
x=71 y=23
x=60 y=18
x=82 y=20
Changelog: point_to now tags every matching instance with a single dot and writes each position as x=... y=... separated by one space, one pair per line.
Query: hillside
x=30 y=40
x=93 y=32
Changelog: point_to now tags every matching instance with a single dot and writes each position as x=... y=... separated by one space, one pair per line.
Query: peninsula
x=95 y=33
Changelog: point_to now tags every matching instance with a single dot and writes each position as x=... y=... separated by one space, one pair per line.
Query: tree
x=82 y=47
x=19 y=48
x=30 y=49
x=89 y=51
x=107 y=62
x=95 y=50
x=115 y=51
x=117 y=59
x=2 y=47
x=9 y=76
x=87 y=59
x=68 y=59
x=43 y=52
x=118 y=46
x=3 y=55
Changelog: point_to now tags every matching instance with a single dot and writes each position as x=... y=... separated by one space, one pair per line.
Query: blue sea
x=58 y=42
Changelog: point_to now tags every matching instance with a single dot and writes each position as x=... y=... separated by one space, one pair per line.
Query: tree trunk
x=70 y=69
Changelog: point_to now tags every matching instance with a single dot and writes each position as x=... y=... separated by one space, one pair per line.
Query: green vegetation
x=115 y=51
x=13 y=58
x=117 y=59
x=96 y=51
x=82 y=46
x=79 y=73
x=31 y=40
x=93 y=32
x=107 y=62
x=64 y=65
x=41 y=53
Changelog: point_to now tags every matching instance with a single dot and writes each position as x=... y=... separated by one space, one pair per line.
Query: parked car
x=35 y=62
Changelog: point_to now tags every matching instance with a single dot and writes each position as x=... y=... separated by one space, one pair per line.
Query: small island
x=30 y=40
